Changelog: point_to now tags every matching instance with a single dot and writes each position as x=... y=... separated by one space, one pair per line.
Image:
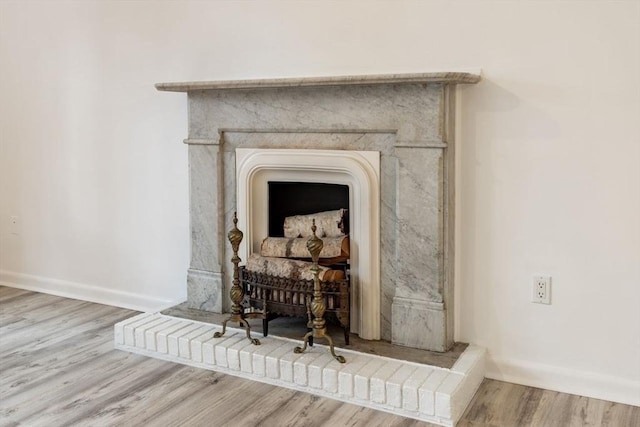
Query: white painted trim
x=565 y=380
x=84 y=292
x=360 y=170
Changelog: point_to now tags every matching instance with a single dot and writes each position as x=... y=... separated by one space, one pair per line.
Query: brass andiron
x=236 y=292
x=318 y=307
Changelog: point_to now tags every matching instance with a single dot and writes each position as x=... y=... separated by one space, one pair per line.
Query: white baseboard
x=582 y=383
x=527 y=373
x=84 y=292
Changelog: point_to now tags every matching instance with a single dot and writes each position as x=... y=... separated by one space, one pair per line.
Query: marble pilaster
x=204 y=277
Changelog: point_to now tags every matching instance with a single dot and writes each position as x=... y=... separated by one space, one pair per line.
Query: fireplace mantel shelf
x=381 y=79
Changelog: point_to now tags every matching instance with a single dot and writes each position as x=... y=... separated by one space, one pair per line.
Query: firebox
x=287 y=199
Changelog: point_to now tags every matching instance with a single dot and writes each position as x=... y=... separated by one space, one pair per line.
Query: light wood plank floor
x=58 y=368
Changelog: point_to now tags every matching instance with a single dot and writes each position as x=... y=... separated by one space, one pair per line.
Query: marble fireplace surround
x=360 y=171
x=407 y=118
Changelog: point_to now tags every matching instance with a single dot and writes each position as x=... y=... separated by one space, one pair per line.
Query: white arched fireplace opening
x=360 y=171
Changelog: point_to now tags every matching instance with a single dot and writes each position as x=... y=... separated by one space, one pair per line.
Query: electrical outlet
x=541 y=290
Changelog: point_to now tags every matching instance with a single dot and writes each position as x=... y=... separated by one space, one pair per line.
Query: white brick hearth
x=404 y=388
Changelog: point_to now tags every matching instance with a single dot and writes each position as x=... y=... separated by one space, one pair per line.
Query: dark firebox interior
x=303 y=198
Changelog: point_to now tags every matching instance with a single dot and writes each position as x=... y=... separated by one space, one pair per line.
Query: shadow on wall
x=496 y=131
x=517 y=119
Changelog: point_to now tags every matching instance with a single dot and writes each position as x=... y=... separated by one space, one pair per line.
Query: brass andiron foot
x=236 y=292
x=319 y=329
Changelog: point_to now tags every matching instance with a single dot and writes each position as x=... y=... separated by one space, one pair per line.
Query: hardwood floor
x=58 y=368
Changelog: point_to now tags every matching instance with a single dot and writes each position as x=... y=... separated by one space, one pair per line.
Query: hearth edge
x=186 y=341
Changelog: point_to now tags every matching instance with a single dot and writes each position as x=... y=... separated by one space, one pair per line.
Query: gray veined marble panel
x=205 y=290
x=204 y=195
x=418 y=316
x=412 y=110
x=388 y=236
x=419 y=214
x=420 y=324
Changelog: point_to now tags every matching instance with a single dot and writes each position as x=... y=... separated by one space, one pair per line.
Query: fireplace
x=388 y=138
x=360 y=172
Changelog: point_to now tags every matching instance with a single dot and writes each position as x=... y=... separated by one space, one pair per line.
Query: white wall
x=93 y=165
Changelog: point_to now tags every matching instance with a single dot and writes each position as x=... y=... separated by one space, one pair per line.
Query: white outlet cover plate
x=545 y=297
